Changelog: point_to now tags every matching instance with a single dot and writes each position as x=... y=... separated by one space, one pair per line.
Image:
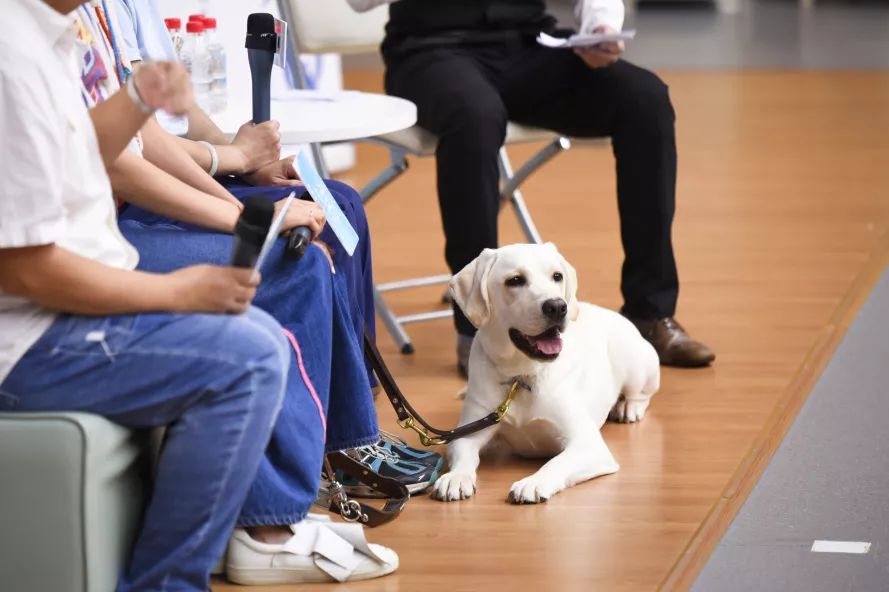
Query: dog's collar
x=516 y=383
x=520 y=382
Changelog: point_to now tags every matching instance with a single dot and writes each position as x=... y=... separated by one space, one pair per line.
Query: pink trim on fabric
x=306 y=379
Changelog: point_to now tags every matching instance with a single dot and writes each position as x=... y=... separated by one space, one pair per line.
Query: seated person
x=164 y=246
x=80 y=330
x=472 y=65
x=253 y=156
x=311 y=305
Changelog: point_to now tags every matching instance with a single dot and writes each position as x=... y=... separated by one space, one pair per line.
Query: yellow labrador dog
x=578 y=364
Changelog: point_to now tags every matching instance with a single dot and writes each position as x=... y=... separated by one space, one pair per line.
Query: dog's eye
x=557 y=277
x=516 y=281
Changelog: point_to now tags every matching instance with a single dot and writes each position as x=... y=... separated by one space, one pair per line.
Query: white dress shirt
x=53 y=185
x=589 y=13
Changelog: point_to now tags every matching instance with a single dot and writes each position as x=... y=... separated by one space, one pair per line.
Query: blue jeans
x=307 y=300
x=356 y=269
x=312 y=305
x=216 y=381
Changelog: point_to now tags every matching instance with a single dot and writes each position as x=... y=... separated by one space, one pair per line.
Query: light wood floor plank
x=783 y=195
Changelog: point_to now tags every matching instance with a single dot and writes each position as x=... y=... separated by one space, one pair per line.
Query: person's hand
x=164 y=85
x=280 y=172
x=302 y=213
x=213 y=289
x=603 y=54
x=257 y=144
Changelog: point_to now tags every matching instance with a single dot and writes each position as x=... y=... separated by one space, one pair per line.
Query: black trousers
x=466 y=94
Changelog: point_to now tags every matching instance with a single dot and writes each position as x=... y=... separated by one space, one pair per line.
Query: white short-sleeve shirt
x=53 y=185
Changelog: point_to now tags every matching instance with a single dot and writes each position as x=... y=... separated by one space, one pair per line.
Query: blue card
x=321 y=194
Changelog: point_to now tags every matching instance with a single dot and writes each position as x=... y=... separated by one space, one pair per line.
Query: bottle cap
x=173 y=23
x=194 y=27
x=209 y=22
x=196 y=17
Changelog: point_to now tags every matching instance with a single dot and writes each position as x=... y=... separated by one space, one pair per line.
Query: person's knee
x=316 y=266
x=347 y=198
x=482 y=119
x=649 y=94
x=344 y=194
x=261 y=351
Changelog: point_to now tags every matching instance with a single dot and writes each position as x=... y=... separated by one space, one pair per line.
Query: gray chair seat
x=419 y=142
x=72 y=492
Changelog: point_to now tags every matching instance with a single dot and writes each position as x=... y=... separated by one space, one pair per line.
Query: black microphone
x=251 y=230
x=299 y=240
x=261 y=44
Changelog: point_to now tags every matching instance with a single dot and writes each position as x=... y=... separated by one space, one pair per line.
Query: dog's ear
x=469 y=287
x=570 y=275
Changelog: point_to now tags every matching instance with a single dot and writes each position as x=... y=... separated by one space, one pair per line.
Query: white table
x=309 y=117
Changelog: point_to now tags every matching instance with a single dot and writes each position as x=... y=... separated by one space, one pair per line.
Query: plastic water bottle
x=196 y=58
x=219 y=87
x=174 y=28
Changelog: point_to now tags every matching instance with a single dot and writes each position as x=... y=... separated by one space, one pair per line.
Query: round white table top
x=308 y=116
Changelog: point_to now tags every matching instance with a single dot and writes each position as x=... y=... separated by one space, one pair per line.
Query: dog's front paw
x=532 y=490
x=454 y=486
x=628 y=411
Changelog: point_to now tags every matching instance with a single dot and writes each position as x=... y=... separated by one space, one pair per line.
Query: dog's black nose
x=555 y=309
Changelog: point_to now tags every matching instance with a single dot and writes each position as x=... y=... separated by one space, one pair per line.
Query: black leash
x=409 y=419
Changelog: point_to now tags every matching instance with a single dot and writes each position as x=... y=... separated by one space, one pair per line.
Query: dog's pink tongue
x=549 y=345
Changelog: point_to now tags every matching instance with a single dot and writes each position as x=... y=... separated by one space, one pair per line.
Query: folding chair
x=333 y=27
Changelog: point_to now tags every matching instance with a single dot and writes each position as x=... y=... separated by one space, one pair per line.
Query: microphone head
x=258 y=211
x=261 y=32
x=251 y=230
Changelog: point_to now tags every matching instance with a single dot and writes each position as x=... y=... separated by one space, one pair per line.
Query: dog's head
x=527 y=291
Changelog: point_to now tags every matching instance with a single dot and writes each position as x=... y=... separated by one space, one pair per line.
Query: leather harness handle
x=397 y=493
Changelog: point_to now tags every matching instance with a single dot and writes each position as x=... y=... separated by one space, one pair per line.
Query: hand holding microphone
x=213 y=289
x=228 y=290
x=258 y=145
x=303 y=214
x=261 y=44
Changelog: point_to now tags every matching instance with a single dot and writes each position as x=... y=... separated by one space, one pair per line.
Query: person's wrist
x=172 y=295
x=232 y=160
x=214 y=157
x=233 y=212
x=135 y=96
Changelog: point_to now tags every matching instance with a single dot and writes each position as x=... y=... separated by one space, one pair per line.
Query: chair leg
x=512 y=181
x=398 y=165
x=320 y=162
x=395 y=329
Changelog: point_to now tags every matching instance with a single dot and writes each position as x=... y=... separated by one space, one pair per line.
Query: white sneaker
x=318 y=551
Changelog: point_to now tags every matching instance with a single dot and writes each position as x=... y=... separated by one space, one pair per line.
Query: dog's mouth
x=546 y=346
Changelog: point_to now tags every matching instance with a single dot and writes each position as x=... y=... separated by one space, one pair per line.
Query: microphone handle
x=261 y=62
x=244 y=254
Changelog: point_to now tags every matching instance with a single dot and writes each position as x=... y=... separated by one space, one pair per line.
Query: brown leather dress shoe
x=673 y=345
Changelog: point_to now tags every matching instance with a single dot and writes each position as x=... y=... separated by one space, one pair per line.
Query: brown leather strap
x=396 y=492
x=405 y=411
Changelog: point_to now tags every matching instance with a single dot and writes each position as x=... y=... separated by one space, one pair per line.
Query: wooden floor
x=783 y=196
